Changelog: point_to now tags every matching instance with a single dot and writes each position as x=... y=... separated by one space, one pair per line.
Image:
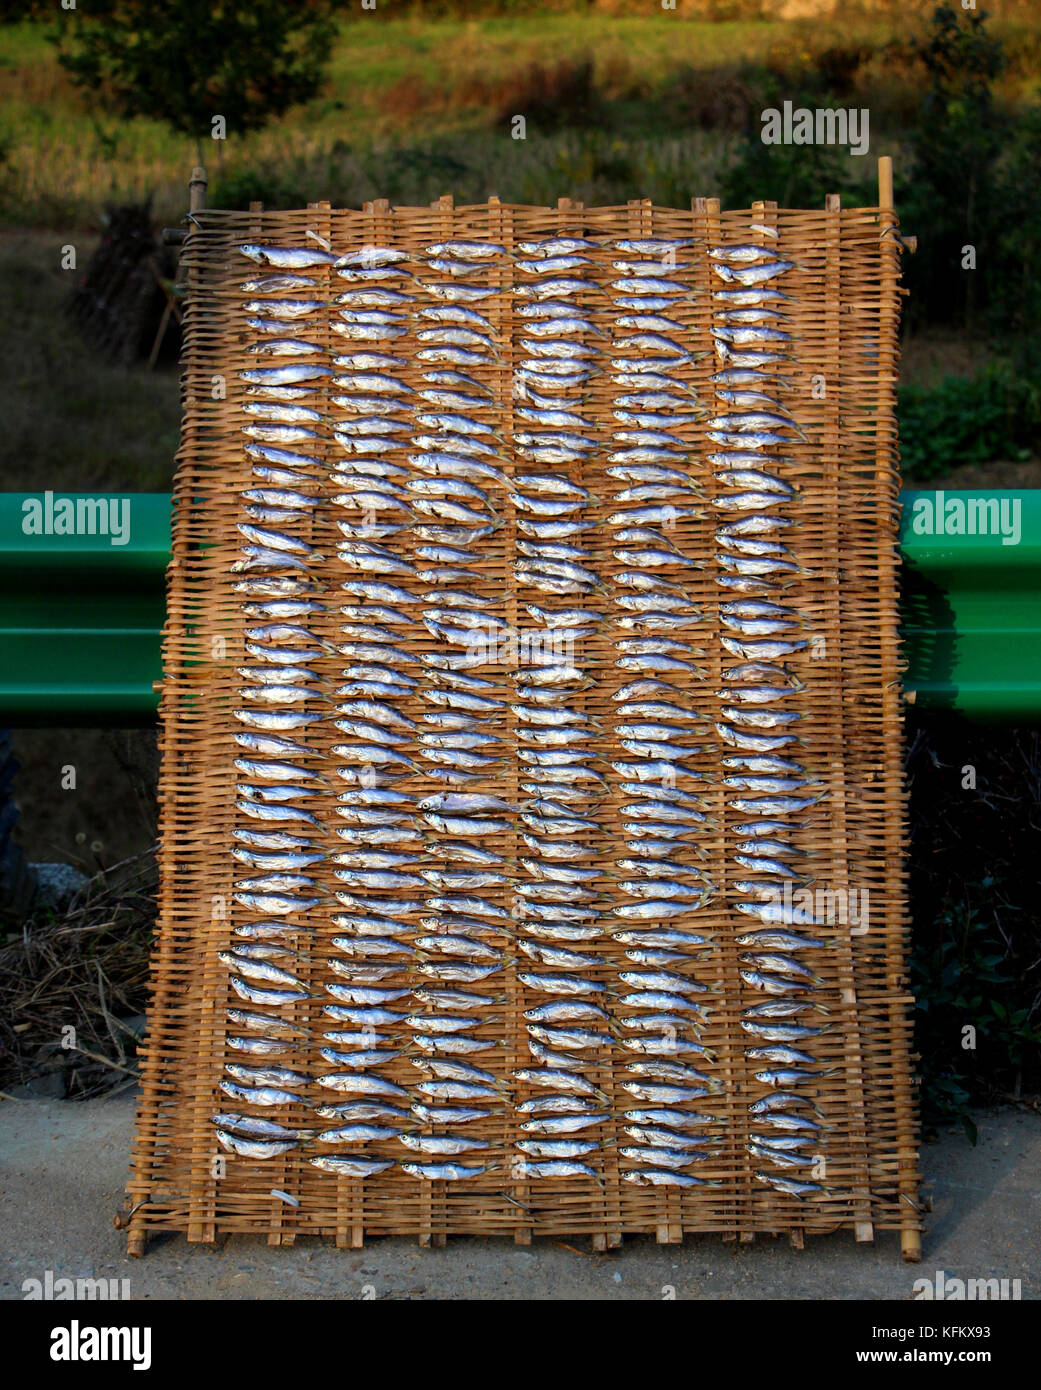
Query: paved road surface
x=63 y=1166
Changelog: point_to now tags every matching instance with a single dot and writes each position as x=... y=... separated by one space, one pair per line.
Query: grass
x=62 y=158
x=599 y=168
x=71 y=421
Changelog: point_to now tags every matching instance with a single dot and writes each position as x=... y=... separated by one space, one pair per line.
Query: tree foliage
x=956 y=187
x=186 y=61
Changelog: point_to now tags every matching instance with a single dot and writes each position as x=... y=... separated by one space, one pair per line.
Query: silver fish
x=357 y=1134
x=362 y=1084
x=669 y=1158
x=443 y=1172
x=556 y=1079
x=371 y=256
x=254 y=1148
x=648 y=285
x=552 y=1168
x=287 y=257
x=285 y=376
x=351 y=1167
x=373 y=298
x=746 y=275
x=657 y=1177
x=370 y=274
x=259 y=1095
x=789 y=1186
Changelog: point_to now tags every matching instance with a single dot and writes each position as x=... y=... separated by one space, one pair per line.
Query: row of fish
x=557 y=579
x=656 y=509
x=767 y=786
x=426 y=867
x=279 y=839
x=400 y=915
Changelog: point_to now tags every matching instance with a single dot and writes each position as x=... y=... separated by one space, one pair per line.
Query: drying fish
x=656 y=1177
x=287 y=257
x=351 y=1167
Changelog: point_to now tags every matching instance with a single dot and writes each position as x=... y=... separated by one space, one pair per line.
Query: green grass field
x=71 y=421
x=413 y=107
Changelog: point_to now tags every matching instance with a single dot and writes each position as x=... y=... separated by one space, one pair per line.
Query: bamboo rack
x=843 y=314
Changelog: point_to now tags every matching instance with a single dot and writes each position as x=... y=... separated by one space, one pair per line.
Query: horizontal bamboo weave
x=841 y=372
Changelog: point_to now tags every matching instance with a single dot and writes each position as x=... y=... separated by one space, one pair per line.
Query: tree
x=953 y=201
x=186 y=61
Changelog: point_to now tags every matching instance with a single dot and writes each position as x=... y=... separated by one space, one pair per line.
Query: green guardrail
x=971 y=602
x=81 y=611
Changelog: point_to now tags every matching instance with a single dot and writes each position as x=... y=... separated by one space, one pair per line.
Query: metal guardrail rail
x=81 y=616
x=971 y=602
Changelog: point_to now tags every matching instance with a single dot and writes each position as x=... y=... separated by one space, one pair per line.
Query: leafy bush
x=972 y=875
x=1014 y=293
x=969 y=1021
x=973 y=182
x=187 y=62
x=967 y=420
x=794 y=176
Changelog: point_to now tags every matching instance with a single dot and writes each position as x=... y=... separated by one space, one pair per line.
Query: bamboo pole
x=910 y=1234
x=885 y=181
x=163 y=1001
x=197 y=186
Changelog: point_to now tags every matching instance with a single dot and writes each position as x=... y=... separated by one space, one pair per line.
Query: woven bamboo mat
x=837 y=377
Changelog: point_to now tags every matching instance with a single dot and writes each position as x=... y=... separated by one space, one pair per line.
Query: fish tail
x=506 y=1197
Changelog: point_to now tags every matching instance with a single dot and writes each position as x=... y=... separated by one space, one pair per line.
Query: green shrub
x=953 y=193
x=187 y=62
x=972 y=882
x=963 y=980
x=967 y=420
x=1014 y=294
